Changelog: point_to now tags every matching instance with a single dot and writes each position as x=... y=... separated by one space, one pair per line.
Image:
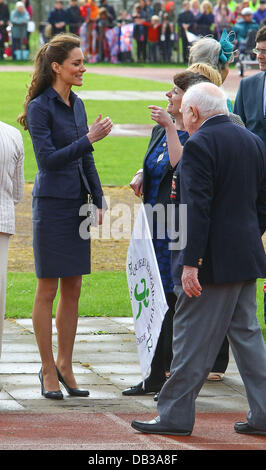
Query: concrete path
x=105 y=362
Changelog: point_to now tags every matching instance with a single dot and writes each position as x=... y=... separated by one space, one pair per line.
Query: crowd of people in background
x=149 y=32
x=15 y=29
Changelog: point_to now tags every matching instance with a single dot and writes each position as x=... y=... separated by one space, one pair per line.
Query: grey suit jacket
x=249 y=104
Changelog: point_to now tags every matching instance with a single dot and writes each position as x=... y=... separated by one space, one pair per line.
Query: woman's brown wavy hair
x=56 y=50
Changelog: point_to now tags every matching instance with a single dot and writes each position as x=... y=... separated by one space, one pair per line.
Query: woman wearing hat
x=218 y=54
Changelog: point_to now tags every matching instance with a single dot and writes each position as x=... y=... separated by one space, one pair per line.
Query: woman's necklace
x=161 y=156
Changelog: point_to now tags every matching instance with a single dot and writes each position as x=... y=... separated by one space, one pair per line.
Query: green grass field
x=103 y=294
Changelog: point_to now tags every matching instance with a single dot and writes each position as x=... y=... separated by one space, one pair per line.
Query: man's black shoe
x=245 y=428
x=139 y=390
x=155 y=427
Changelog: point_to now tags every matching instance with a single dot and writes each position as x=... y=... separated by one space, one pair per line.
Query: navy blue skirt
x=58 y=249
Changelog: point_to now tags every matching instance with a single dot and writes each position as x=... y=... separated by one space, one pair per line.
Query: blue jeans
x=153 y=50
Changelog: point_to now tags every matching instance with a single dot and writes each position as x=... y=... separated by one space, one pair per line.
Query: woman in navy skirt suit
x=62 y=142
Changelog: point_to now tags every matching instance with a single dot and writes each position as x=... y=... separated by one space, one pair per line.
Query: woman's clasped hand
x=100 y=129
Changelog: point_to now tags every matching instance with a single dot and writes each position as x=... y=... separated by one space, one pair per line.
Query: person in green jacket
x=244 y=26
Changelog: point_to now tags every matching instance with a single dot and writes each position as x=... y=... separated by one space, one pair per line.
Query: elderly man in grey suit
x=223 y=184
x=250 y=103
x=11 y=192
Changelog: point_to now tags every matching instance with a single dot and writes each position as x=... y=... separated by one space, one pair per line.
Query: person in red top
x=84 y=8
x=154 y=31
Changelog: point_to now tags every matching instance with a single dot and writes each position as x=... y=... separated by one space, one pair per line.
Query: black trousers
x=185 y=45
x=141 y=50
x=2 y=42
x=222 y=359
x=164 y=352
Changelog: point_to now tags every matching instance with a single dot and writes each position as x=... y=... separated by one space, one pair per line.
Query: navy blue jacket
x=249 y=104
x=223 y=183
x=62 y=148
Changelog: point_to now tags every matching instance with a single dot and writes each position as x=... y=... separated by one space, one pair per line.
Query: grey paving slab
x=219 y=404
x=18 y=368
x=10 y=405
x=126 y=380
x=22 y=380
x=90 y=325
x=5 y=396
x=114 y=368
x=125 y=321
x=21 y=347
x=32 y=368
x=23 y=356
x=101 y=338
x=118 y=357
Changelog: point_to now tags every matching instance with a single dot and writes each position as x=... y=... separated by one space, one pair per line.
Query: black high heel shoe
x=57 y=395
x=74 y=392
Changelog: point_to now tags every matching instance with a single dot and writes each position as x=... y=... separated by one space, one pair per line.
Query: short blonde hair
x=193 y=2
x=206 y=3
x=208 y=71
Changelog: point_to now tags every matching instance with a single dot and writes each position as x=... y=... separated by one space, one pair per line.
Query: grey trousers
x=200 y=325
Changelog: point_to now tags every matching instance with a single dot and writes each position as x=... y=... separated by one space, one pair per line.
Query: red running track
x=112 y=431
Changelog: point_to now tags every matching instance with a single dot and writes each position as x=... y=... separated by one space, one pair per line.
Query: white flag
x=191 y=37
x=146 y=291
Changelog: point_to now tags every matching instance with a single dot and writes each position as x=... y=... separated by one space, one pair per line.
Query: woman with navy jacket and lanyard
x=154 y=182
x=62 y=142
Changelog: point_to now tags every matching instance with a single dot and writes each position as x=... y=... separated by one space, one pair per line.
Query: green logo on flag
x=141 y=297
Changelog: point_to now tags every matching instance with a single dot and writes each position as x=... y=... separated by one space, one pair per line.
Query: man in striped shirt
x=11 y=192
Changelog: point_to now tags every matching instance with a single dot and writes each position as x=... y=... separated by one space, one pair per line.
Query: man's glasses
x=259 y=51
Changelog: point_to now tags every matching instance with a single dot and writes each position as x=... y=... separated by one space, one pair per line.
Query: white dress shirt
x=11 y=175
